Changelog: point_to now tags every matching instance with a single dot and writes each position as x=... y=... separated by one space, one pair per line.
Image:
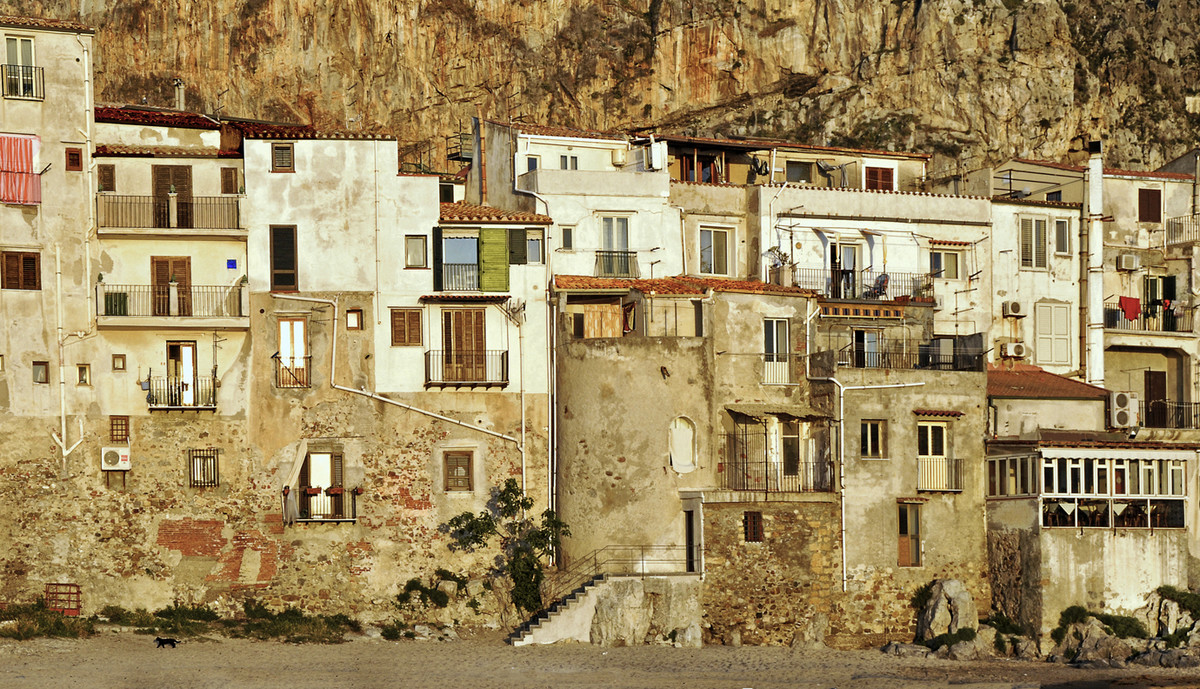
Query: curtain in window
x=18 y=181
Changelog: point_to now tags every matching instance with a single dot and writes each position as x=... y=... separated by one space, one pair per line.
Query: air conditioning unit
x=1013 y=309
x=115 y=459
x=654 y=157
x=619 y=156
x=1129 y=262
x=1124 y=409
x=1014 y=350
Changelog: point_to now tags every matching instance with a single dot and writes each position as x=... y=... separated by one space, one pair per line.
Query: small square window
x=118 y=429
x=41 y=372
x=945 y=264
x=406 y=328
x=1054 y=196
x=458 y=471
x=568 y=238
x=281 y=158
x=118 y=362
x=354 y=319
x=531 y=163
x=799 y=171
x=74 y=159
x=83 y=374
x=414 y=251
x=533 y=244
x=752 y=527
x=204 y=467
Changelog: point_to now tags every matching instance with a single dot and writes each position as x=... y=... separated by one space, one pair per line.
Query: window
x=568 y=162
x=446 y=193
x=204 y=467
x=118 y=429
x=74 y=159
x=945 y=264
x=881 y=178
x=1062 y=236
x=281 y=158
x=322 y=496
x=775 y=351
x=458 y=470
x=1052 y=341
x=714 y=250
x=414 y=251
x=19 y=182
x=615 y=259
x=531 y=163
x=106 y=177
x=284 y=273
x=910 y=535
x=699 y=168
x=22 y=270
x=83 y=374
x=41 y=372
x=406 y=327
x=1149 y=205
x=1 y=362
x=682 y=444
x=799 y=171
x=931 y=439
x=1033 y=243
x=292 y=371
x=752 y=527
x=873 y=443
x=936 y=469
x=1054 y=196
x=1012 y=476
x=22 y=79
x=568 y=238
x=533 y=245
x=229 y=180
x=118 y=362
x=354 y=319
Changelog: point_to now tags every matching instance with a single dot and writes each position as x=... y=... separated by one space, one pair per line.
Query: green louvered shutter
x=493 y=259
x=518 y=250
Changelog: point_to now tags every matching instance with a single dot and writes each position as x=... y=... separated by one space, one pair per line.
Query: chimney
x=179 y=93
x=1094 y=214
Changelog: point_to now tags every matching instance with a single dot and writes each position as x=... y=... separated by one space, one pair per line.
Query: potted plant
x=334 y=490
x=312 y=490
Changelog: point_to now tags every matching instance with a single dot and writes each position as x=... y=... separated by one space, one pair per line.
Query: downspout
x=375 y=156
x=1095 y=269
x=372 y=395
x=842 y=389
x=60 y=438
x=92 y=200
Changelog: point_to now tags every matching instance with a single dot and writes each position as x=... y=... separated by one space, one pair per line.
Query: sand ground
x=125 y=660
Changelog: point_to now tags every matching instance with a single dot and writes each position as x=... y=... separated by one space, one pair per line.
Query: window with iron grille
x=204 y=467
x=106 y=176
x=281 y=158
x=74 y=160
x=752 y=527
x=118 y=429
x=458 y=471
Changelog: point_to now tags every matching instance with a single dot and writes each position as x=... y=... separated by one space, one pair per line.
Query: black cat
x=165 y=642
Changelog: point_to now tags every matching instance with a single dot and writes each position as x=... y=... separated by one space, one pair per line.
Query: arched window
x=683 y=444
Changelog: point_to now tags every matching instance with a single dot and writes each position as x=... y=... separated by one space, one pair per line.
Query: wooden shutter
x=437 y=259
x=283 y=258
x=406 y=327
x=30 y=273
x=181 y=177
x=281 y=157
x=107 y=177
x=518 y=252
x=229 y=180
x=160 y=182
x=1149 y=205
x=74 y=160
x=493 y=259
x=1026 y=243
x=304 y=479
x=1043 y=343
x=12 y=270
x=1039 y=244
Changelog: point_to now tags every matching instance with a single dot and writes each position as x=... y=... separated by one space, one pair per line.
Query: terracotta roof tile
x=953 y=413
x=852 y=190
x=1031 y=382
x=42 y=23
x=567 y=132
x=1050 y=163
x=949 y=242
x=271 y=130
x=657 y=285
x=470 y=213
x=1147 y=173
x=131 y=114
x=747 y=286
x=163 y=151
x=1035 y=202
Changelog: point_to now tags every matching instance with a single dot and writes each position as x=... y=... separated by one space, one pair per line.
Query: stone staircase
x=568 y=618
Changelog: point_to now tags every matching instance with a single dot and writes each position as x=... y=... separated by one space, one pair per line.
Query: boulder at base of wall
x=906 y=650
x=949 y=609
x=1173 y=657
x=1091 y=644
x=622 y=617
x=811 y=632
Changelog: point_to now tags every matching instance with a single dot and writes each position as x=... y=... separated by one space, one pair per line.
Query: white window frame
x=1032 y=234
x=1052 y=333
x=566 y=237
x=568 y=162
x=713 y=231
x=943 y=253
x=410 y=239
x=1062 y=247
x=535 y=247
x=532 y=163
x=873 y=450
x=614 y=237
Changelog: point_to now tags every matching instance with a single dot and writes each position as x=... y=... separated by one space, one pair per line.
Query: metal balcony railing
x=939 y=474
x=910 y=354
x=189 y=301
x=864 y=285
x=748 y=467
x=1150 y=318
x=616 y=264
x=23 y=81
x=293 y=371
x=179 y=393
x=777 y=369
x=1167 y=414
x=466 y=369
x=324 y=507
x=460 y=277
x=198 y=212
x=1184 y=229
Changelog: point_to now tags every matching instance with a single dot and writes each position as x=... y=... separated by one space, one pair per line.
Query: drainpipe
x=372 y=395
x=1095 y=268
x=842 y=390
x=89 y=104
x=60 y=438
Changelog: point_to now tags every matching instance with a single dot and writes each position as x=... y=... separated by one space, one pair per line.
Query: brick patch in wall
x=252 y=562
x=192 y=536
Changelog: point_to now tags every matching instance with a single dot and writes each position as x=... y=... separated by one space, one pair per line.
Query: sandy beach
x=126 y=660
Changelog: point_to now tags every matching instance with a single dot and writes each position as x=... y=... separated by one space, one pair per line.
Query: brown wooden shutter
x=181 y=269
x=160 y=182
x=338 y=502
x=397 y=327
x=12 y=270
x=181 y=176
x=30 y=273
x=518 y=250
x=1149 y=205
x=283 y=258
x=229 y=180
x=107 y=177
x=414 y=327
x=74 y=160
x=281 y=157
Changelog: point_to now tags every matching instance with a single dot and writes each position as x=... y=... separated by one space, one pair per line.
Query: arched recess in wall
x=683 y=444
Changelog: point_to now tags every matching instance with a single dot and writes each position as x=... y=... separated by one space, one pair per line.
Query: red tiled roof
x=1035 y=202
x=949 y=242
x=1031 y=382
x=467 y=212
x=747 y=286
x=953 y=413
x=759 y=144
x=566 y=132
x=657 y=285
x=163 y=151
x=1050 y=163
x=131 y=114
x=42 y=23
x=272 y=130
x=806 y=187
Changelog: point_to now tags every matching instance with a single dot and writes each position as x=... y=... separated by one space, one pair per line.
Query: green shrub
x=1058 y=634
x=1073 y=615
x=1003 y=625
x=963 y=634
x=921 y=596
x=1187 y=600
x=34 y=620
x=393 y=631
x=1124 y=627
x=999 y=645
x=1120 y=625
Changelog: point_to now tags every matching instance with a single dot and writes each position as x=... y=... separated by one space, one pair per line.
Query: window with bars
x=281 y=158
x=752 y=527
x=118 y=429
x=458 y=470
x=205 y=467
x=1033 y=242
x=406 y=327
x=22 y=270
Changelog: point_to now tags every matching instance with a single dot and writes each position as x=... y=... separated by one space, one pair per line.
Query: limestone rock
x=689 y=637
x=1025 y=649
x=622 y=617
x=906 y=650
x=811 y=632
x=1168 y=617
x=949 y=609
x=1096 y=644
x=963 y=650
x=1174 y=657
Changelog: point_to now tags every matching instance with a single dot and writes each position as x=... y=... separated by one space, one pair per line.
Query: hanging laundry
x=1131 y=307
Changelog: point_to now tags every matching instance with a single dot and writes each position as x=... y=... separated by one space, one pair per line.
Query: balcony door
x=181 y=374
x=463 y=345
x=616 y=261
x=1155 y=393
x=843 y=264
x=172 y=178
x=164 y=270
x=866 y=349
x=775 y=349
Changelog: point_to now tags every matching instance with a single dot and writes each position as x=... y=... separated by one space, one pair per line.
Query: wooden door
x=181 y=374
x=164 y=269
x=463 y=345
x=1156 y=399
x=164 y=178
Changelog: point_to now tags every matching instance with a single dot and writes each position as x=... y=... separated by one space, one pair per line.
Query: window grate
x=118 y=429
x=205 y=467
x=752 y=527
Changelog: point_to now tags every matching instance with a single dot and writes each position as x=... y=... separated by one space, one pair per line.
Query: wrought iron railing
x=24 y=81
x=777 y=369
x=1167 y=414
x=910 y=354
x=179 y=393
x=293 y=371
x=1150 y=317
x=1184 y=229
x=471 y=368
x=939 y=474
x=749 y=467
x=460 y=277
x=620 y=560
x=616 y=264
x=317 y=504
x=192 y=301
x=864 y=285
x=200 y=212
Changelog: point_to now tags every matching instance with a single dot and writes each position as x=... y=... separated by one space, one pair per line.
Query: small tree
x=525 y=542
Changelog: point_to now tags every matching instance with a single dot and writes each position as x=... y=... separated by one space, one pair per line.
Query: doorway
x=181 y=374
x=1155 y=391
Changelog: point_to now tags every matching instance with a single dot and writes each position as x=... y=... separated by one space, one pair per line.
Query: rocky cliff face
x=969 y=80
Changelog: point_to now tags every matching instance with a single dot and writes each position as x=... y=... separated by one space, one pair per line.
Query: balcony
x=168 y=393
x=1183 y=230
x=748 y=467
x=293 y=371
x=777 y=369
x=204 y=215
x=460 y=277
x=188 y=306
x=939 y=474
x=487 y=369
x=1150 y=318
x=864 y=285
x=910 y=354
x=316 y=504
x=616 y=264
x=23 y=81
x=1168 y=414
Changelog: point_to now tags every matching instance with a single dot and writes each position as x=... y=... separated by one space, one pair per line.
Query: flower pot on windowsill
x=312 y=491
x=358 y=490
x=334 y=490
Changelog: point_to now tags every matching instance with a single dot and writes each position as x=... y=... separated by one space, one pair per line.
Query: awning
x=800 y=412
x=1115 y=453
